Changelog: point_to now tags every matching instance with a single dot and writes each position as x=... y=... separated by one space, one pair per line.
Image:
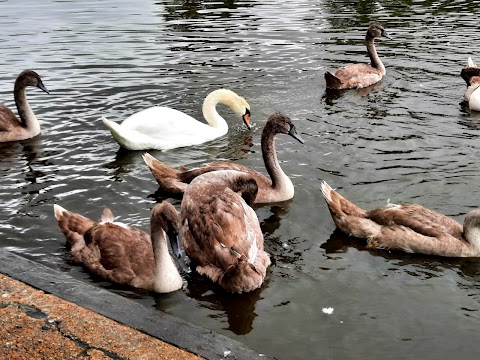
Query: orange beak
x=246 y=118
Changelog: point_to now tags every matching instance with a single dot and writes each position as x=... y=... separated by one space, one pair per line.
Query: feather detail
x=410 y=228
x=221 y=233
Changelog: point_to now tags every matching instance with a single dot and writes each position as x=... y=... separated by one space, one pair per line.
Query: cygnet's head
x=376 y=30
x=29 y=78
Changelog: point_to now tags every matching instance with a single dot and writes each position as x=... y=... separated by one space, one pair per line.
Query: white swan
x=163 y=128
x=471 y=75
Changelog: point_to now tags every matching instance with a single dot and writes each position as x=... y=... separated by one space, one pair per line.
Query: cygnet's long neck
x=470 y=90
x=471 y=230
x=167 y=277
x=27 y=117
x=280 y=181
x=210 y=111
x=474 y=99
x=473 y=87
x=246 y=185
x=372 y=53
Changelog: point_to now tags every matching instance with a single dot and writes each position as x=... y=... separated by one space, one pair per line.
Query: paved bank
x=36 y=325
x=64 y=318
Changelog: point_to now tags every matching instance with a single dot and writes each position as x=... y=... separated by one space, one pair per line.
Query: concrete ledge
x=38 y=325
x=165 y=327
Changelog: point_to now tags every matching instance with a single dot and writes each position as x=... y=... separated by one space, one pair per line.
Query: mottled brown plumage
x=124 y=254
x=360 y=75
x=274 y=189
x=471 y=75
x=409 y=227
x=27 y=126
x=221 y=233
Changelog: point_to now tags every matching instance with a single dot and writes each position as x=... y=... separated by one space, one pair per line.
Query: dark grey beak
x=293 y=133
x=385 y=34
x=175 y=243
x=42 y=87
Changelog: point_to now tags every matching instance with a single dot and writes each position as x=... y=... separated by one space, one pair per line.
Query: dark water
x=406 y=139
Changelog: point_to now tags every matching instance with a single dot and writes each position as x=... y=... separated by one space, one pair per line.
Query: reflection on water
x=238 y=308
x=188 y=10
x=340 y=242
x=407 y=139
x=331 y=96
x=272 y=223
x=28 y=148
x=424 y=266
x=21 y=157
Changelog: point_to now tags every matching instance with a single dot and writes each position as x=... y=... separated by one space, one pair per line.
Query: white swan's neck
x=27 y=117
x=209 y=109
x=167 y=277
x=280 y=181
x=374 y=58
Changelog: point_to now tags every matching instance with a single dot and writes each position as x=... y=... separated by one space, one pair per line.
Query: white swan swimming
x=163 y=128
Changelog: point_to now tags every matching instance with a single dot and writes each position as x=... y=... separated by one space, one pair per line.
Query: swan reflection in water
x=12 y=155
x=331 y=95
x=239 y=309
x=424 y=266
x=229 y=147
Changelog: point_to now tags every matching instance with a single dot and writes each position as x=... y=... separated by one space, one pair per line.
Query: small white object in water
x=328 y=310
x=226 y=353
x=392 y=205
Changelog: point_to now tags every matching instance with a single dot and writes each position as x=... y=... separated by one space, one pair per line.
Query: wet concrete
x=36 y=325
x=63 y=318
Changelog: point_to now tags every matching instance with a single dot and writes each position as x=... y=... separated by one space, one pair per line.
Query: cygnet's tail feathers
x=166 y=176
x=338 y=205
x=348 y=217
x=470 y=62
x=107 y=216
x=332 y=82
x=73 y=225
